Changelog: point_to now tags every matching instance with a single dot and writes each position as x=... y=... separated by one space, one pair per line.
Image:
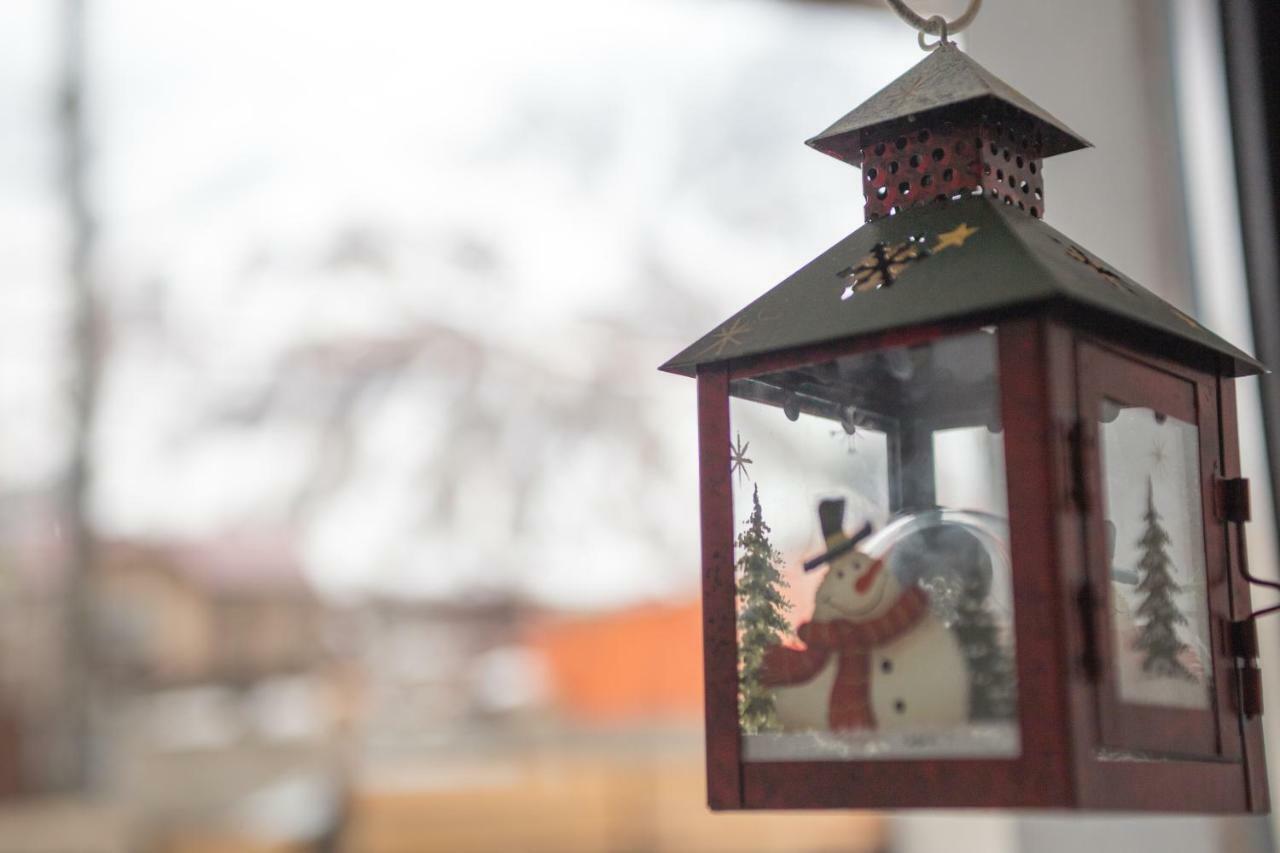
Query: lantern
x=971 y=500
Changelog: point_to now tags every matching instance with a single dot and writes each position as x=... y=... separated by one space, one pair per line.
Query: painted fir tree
x=993 y=691
x=761 y=622
x=1158 y=637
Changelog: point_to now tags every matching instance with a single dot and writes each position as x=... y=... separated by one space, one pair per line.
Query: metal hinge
x=1080 y=439
x=1231 y=499
x=1090 y=659
x=1244 y=649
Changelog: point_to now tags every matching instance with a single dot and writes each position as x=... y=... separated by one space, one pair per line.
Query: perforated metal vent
x=917 y=164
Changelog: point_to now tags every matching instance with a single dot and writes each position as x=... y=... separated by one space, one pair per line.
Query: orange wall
x=640 y=664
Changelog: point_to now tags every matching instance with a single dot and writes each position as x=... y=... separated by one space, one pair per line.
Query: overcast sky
x=395 y=277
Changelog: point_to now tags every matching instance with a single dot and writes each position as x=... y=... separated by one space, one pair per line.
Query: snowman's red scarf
x=853 y=641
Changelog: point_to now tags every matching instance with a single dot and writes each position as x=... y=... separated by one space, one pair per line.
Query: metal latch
x=1244 y=649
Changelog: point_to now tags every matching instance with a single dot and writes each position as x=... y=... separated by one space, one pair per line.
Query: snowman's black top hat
x=831 y=517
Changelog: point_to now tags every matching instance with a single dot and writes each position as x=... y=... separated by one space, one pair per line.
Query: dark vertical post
x=915 y=456
x=1241 y=603
x=79 y=672
x=893 y=449
x=1029 y=414
x=719 y=615
x=1253 y=90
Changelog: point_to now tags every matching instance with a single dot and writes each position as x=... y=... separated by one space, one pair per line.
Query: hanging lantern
x=971 y=500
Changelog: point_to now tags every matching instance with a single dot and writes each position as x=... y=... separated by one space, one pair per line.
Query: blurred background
x=342 y=506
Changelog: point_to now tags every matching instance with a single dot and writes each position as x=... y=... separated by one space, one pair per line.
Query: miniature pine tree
x=992 y=681
x=761 y=623
x=1158 y=637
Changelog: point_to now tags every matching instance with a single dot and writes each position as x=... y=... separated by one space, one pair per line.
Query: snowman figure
x=875 y=657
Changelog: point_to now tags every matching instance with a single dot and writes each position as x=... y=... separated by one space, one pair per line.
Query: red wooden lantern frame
x=1080 y=746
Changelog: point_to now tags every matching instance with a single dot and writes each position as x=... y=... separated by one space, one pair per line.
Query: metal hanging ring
x=935 y=25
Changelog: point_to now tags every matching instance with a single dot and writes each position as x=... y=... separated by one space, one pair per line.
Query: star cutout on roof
x=738 y=460
x=730 y=334
x=955 y=237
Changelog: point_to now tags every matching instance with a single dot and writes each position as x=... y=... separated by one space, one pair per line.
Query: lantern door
x=1159 y=603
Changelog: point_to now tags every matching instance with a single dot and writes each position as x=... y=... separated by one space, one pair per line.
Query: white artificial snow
x=973 y=740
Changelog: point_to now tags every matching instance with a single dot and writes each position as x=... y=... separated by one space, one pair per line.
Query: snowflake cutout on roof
x=881 y=266
x=1075 y=253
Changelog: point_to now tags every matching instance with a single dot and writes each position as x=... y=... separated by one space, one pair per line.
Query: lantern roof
x=947 y=81
x=972 y=258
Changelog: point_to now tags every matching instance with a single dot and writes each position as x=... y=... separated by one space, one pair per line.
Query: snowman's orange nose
x=869 y=577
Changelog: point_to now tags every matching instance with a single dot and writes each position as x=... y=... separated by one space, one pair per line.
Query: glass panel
x=875 y=608
x=970 y=469
x=1160 y=620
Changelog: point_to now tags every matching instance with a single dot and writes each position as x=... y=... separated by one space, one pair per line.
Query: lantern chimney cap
x=946 y=85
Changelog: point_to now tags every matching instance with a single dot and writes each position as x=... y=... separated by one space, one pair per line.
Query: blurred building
x=33 y=722
x=230 y=611
x=534 y=730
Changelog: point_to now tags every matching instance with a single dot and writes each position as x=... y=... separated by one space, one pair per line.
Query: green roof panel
x=937 y=262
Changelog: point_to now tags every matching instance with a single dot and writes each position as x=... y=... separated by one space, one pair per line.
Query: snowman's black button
x=886 y=665
x=900 y=706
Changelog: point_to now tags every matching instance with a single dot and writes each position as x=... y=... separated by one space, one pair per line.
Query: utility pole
x=82 y=386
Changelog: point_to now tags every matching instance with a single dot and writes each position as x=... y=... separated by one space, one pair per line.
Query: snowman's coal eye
x=840 y=574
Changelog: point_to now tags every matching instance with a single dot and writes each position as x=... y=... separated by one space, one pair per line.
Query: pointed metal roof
x=980 y=258
x=945 y=79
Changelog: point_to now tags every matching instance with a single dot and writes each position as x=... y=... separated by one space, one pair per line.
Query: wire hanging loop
x=942 y=37
x=935 y=25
